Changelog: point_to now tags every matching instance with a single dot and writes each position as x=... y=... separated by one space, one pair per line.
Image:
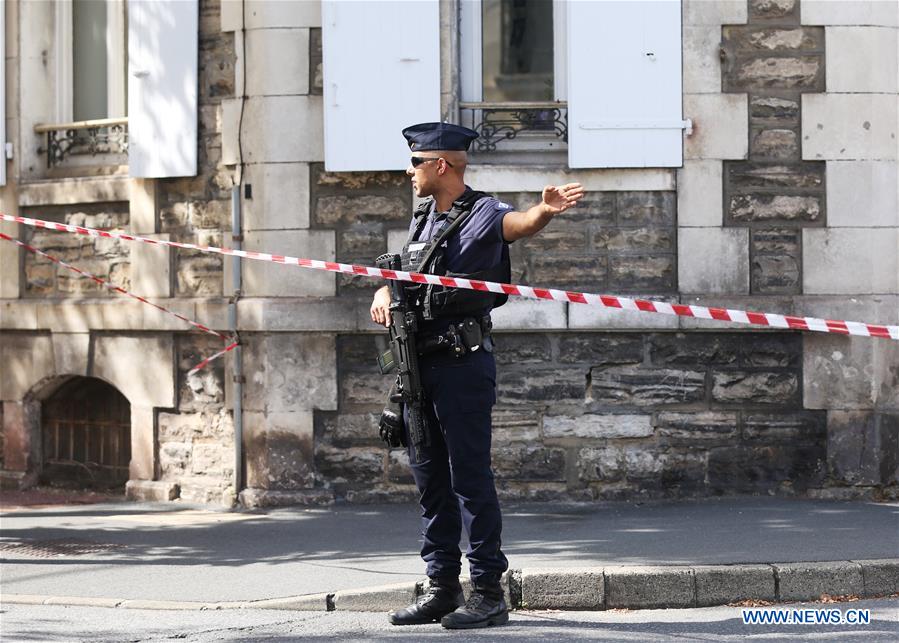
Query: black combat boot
x=485 y=607
x=443 y=595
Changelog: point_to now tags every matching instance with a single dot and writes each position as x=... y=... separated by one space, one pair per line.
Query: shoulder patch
x=504 y=206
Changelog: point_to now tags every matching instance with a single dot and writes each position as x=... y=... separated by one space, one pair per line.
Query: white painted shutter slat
x=381 y=66
x=162 y=87
x=624 y=84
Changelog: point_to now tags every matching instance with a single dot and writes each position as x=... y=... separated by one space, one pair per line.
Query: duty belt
x=467 y=336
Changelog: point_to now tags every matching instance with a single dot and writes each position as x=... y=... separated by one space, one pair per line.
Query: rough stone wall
x=807 y=223
x=288 y=375
x=774 y=193
x=108 y=259
x=194 y=209
x=195 y=441
x=853 y=129
x=615 y=240
x=316 y=77
x=362 y=208
x=622 y=242
x=606 y=415
x=197 y=209
x=349 y=456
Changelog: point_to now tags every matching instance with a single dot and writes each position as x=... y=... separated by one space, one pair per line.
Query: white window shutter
x=624 y=84
x=381 y=66
x=162 y=87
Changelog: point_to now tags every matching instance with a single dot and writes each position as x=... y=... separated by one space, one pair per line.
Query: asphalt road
x=172 y=552
x=58 y=623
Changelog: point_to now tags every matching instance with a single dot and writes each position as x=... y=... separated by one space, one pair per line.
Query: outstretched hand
x=559 y=199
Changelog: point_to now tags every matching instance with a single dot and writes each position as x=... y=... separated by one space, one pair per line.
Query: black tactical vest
x=436 y=302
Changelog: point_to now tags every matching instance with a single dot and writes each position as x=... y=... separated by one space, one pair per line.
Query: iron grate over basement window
x=86 y=435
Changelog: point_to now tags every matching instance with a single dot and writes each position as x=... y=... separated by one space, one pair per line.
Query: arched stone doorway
x=85 y=435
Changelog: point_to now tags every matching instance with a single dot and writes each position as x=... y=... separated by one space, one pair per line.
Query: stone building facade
x=787 y=202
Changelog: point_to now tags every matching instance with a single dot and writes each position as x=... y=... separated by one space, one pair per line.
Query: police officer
x=453 y=472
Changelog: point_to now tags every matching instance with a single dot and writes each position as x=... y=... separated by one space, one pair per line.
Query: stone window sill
x=74 y=190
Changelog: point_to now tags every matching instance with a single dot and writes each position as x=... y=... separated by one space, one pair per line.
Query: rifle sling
x=443 y=236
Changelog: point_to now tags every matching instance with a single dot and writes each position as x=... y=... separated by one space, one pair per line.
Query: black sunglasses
x=418 y=160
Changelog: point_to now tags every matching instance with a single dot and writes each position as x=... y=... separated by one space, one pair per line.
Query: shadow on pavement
x=740 y=530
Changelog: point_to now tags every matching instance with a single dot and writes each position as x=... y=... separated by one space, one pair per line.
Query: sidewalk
x=580 y=556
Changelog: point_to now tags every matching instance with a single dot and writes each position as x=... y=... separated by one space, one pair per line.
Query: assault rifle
x=403 y=356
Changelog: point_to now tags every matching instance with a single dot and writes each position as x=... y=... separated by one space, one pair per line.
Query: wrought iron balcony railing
x=500 y=122
x=101 y=136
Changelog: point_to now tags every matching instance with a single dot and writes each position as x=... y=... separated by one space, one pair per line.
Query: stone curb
x=585 y=588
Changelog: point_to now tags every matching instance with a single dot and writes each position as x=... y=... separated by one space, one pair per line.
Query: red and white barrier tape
x=607 y=301
x=122 y=291
x=230 y=347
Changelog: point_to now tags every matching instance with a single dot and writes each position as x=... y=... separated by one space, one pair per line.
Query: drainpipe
x=237 y=380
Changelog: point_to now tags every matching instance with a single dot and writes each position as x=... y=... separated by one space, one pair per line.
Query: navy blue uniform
x=454 y=475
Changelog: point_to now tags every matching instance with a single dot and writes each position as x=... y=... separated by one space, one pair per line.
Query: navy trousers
x=453 y=474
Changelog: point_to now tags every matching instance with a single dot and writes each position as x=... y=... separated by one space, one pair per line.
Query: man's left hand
x=559 y=199
x=517 y=225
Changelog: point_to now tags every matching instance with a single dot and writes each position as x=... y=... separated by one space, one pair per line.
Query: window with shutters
x=91 y=124
x=126 y=88
x=590 y=84
x=593 y=84
x=513 y=57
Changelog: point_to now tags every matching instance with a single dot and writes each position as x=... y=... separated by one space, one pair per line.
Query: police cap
x=439 y=136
